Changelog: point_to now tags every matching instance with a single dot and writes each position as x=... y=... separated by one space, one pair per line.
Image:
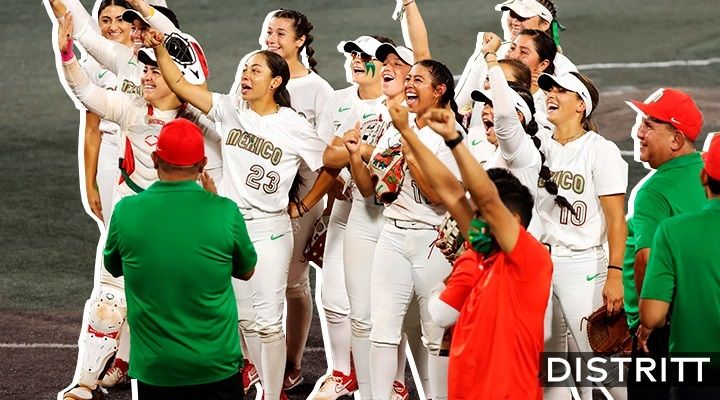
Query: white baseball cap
x=520 y=104
x=363 y=44
x=187 y=55
x=569 y=82
x=526 y=9
x=405 y=54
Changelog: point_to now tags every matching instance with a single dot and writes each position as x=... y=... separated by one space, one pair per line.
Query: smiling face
x=137 y=31
x=366 y=69
x=564 y=105
x=517 y=23
x=420 y=93
x=257 y=81
x=113 y=27
x=281 y=38
x=154 y=86
x=657 y=141
x=488 y=115
x=393 y=75
x=523 y=49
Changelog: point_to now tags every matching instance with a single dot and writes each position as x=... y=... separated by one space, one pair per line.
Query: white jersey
x=262 y=154
x=342 y=102
x=583 y=169
x=374 y=119
x=540 y=100
x=107 y=80
x=309 y=96
x=411 y=204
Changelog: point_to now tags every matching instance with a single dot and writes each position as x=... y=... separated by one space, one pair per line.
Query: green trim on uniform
x=674 y=189
x=178 y=247
x=684 y=270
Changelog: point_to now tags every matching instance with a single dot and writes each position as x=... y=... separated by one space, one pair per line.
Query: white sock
x=361 y=357
x=254 y=350
x=340 y=333
x=401 y=360
x=438 y=371
x=273 y=372
x=383 y=367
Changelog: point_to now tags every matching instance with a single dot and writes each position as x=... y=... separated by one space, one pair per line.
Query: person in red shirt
x=496 y=298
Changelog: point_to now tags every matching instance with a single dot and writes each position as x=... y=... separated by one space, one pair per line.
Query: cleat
x=250 y=375
x=83 y=393
x=337 y=385
x=116 y=375
x=292 y=379
x=399 y=392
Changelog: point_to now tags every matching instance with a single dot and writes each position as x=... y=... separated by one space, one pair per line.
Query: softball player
x=265 y=142
x=592 y=176
x=406 y=237
x=365 y=73
x=140 y=120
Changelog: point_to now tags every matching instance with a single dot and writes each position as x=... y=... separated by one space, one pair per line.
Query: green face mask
x=479 y=236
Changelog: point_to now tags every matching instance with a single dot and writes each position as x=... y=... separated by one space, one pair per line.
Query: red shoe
x=116 y=375
x=399 y=392
x=337 y=385
x=292 y=378
x=250 y=375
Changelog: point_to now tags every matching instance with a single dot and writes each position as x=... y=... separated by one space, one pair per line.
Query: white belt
x=250 y=214
x=562 y=251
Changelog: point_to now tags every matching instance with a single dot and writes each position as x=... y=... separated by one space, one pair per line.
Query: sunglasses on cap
x=366 y=58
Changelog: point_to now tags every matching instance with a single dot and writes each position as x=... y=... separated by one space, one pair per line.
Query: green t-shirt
x=684 y=270
x=178 y=246
x=673 y=189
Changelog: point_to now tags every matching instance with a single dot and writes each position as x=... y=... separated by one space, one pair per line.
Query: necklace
x=570 y=139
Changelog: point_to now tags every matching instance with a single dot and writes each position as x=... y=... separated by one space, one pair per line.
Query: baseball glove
x=449 y=239
x=387 y=173
x=607 y=334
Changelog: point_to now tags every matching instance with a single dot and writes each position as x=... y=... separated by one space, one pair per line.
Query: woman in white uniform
x=401 y=266
x=591 y=174
x=264 y=144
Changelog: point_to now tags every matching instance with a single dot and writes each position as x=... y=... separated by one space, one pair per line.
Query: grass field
x=48 y=242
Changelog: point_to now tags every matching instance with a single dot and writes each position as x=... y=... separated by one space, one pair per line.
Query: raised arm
x=157 y=20
x=415 y=32
x=198 y=96
x=440 y=180
x=503 y=224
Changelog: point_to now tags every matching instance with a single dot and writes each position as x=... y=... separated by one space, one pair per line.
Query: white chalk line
x=74 y=346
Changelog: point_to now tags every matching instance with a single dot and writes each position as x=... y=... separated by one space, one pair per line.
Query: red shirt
x=498 y=338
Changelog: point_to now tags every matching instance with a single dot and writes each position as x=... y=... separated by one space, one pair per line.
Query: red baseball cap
x=712 y=158
x=676 y=108
x=181 y=143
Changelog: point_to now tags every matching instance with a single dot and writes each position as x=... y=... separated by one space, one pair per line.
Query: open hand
x=65 y=31
x=208 y=182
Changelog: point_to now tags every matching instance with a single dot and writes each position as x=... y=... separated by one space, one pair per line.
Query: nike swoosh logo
x=591 y=277
x=476 y=142
x=368 y=115
x=673 y=120
x=342 y=388
x=343 y=109
x=103 y=73
x=275 y=237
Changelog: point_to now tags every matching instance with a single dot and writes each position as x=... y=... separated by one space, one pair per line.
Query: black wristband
x=454 y=142
x=615 y=267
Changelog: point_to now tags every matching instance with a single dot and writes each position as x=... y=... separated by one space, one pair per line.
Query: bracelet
x=615 y=267
x=454 y=142
x=488 y=53
x=68 y=54
x=408 y=3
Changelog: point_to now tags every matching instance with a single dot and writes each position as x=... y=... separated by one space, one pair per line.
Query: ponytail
x=278 y=67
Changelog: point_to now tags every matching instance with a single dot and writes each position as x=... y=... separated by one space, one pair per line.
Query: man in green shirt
x=684 y=273
x=671 y=122
x=178 y=247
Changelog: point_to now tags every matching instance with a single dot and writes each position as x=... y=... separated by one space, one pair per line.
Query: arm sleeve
x=244 y=256
x=650 y=208
x=111 y=254
x=443 y=314
x=217 y=112
x=160 y=22
x=516 y=146
x=105 y=51
x=106 y=104
x=472 y=76
x=659 y=283
x=465 y=275
x=324 y=123
x=609 y=170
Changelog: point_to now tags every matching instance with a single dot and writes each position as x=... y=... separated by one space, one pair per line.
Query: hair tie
x=479 y=236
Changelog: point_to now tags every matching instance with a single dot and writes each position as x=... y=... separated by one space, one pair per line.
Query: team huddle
x=471 y=225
